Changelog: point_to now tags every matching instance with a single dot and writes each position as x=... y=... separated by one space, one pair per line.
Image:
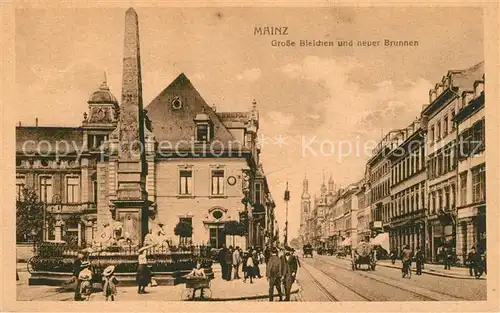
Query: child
x=109 y=282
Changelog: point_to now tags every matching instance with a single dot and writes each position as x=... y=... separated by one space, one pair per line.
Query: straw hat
x=108 y=270
x=85 y=264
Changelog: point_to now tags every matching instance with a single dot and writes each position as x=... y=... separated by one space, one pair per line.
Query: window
x=217 y=182
x=447 y=198
x=94 y=191
x=72 y=189
x=257 y=193
x=186 y=182
x=45 y=188
x=433 y=134
x=477 y=143
x=463 y=188
x=202 y=133
x=438 y=131
x=452 y=119
x=20 y=183
x=185 y=241
x=478 y=184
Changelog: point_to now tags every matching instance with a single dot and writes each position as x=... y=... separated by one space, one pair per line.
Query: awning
x=381 y=240
x=346 y=242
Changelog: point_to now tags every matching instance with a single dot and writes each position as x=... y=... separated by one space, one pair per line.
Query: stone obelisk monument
x=131 y=204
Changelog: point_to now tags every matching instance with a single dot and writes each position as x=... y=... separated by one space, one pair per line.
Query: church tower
x=305 y=210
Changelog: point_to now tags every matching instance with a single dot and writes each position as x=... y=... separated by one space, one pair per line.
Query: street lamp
x=286 y=198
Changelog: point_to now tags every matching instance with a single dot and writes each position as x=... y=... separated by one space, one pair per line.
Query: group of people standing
x=282 y=267
x=82 y=273
x=475 y=261
x=231 y=259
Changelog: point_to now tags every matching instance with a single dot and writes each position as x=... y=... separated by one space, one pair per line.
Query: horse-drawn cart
x=363 y=254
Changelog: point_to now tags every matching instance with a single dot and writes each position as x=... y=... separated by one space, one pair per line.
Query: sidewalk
x=433 y=269
x=221 y=290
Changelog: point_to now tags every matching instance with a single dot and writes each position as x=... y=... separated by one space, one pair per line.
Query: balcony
x=89 y=207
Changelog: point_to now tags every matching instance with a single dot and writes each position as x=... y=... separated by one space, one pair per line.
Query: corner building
x=444 y=102
x=199 y=166
x=471 y=206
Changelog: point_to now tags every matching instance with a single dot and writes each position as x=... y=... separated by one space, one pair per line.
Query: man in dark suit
x=274 y=272
x=294 y=264
x=286 y=273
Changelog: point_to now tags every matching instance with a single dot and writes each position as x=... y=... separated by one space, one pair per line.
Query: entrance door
x=217 y=237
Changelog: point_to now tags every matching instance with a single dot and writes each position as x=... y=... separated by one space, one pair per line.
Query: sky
x=314 y=102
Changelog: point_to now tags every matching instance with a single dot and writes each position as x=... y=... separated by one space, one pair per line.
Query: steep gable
x=176 y=126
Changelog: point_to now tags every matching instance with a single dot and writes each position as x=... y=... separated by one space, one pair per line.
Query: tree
x=234 y=228
x=183 y=229
x=30 y=215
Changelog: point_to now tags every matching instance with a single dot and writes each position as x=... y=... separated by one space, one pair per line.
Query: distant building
x=408 y=176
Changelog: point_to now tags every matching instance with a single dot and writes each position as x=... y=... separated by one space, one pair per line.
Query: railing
x=59 y=257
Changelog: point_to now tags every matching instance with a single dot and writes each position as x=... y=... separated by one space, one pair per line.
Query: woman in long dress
x=143 y=276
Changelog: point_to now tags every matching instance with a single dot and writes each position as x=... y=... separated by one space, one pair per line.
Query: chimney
x=36 y=122
x=20 y=124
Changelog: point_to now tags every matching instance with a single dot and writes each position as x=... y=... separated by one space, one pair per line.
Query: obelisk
x=131 y=202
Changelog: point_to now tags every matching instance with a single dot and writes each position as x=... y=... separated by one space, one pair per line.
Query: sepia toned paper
x=115 y=113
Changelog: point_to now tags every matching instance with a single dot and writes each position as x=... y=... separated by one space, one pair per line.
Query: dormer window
x=204 y=127
x=478 y=88
x=202 y=134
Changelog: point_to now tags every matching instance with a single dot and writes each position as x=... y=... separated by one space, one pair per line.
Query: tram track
x=325 y=291
x=397 y=285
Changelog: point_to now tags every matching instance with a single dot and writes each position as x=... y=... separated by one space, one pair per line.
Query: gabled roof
x=34 y=139
x=177 y=126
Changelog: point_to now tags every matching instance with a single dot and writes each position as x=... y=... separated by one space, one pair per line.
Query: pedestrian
x=255 y=256
x=249 y=268
x=406 y=255
x=393 y=256
x=287 y=274
x=109 y=283
x=473 y=261
x=143 y=276
x=294 y=264
x=273 y=273
x=76 y=272
x=228 y=259
x=419 y=260
x=236 y=262
x=244 y=260
x=447 y=259
x=221 y=257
